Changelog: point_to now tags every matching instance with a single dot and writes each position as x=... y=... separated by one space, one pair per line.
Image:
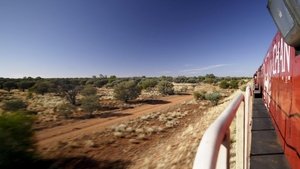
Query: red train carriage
x=278 y=77
x=280 y=85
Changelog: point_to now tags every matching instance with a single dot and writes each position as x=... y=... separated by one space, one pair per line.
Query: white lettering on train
x=281 y=57
x=267 y=82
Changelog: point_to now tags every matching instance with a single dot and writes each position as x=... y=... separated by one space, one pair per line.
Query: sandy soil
x=77 y=129
x=149 y=136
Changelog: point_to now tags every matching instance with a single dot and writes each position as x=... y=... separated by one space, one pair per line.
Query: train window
x=286 y=14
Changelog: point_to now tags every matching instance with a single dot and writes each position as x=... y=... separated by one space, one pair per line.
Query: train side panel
x=281 y=94
x=293 y=124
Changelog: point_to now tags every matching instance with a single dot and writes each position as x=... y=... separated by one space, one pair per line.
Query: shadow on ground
x=76 y=163
x=112 y=114
x=149 y=101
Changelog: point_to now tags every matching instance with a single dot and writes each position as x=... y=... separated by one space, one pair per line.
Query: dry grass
x=179 y=151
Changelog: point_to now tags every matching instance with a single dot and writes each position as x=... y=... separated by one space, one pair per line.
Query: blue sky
x=81 y=38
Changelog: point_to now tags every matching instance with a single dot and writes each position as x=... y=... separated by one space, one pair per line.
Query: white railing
x=213 y=151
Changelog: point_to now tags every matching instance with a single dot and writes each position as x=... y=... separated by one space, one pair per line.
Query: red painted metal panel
x=292 y=158
x=280 y=74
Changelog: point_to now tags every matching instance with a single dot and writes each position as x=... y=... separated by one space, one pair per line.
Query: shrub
x=243 y=81
x=66 y=110
x=180 y=79
x=127 y=90
x=41 y=87
x=14 y=105
x=90 y=104
x=165 y=87
x=213 y=97
x=147 y=83
x=192 y=80
x=184 y=89
x=17 y=144
x=113 y=83
x=29 y=95
x=88 y=90
x=112 y=78
x=199 y=95
x=244 y=88
x=234 y=84
x=224 y=84
x=101 y=82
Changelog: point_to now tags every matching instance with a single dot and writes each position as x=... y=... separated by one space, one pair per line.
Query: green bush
x=244 y=88
x=14 y=105
x=41 y=87
x=88 y=90
x=127 y=90
x=90 y=104
x=165 y=87
x=17 y=144
x=199 y=95
x=224 y=84
x=234 y=84
x=147 y=83
x=66 y=110
x=112 y=84
x=101 y=82
x=213 y=97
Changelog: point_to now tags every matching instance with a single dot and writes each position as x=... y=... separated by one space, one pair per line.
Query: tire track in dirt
x=70 y=131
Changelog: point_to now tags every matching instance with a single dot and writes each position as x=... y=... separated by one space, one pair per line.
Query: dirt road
x=85 y=127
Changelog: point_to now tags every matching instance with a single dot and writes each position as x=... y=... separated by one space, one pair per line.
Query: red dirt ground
x=77 y=129
x=96 y=143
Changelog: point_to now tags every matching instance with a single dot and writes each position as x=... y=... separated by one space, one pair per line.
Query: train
x=277 y=79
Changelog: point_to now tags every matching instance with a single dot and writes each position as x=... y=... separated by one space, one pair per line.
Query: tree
x=165 y=87
x=90 y=102
x=210 y=78
x=69 y=89
x=127 y=90
x=23 y=85
x=41 y=87
x=112 y=78
x=8 y=85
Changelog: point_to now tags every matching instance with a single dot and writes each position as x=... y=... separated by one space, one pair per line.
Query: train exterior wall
x=279 y=76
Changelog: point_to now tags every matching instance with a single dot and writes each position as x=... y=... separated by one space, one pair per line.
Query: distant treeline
x=44 y=85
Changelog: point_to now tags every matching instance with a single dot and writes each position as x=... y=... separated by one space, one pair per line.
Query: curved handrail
x=208 y=150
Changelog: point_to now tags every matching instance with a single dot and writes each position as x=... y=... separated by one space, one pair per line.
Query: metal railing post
x=213 y=150
x=246 y=125
x=224 y=152
x=208 y=150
